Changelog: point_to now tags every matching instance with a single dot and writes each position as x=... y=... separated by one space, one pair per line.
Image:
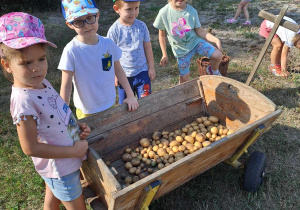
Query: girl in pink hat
x=46 y=126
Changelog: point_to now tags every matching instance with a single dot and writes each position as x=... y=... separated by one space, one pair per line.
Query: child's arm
x=150 y=60
x=122 y=79
x=209 y=37
x=66 y=85
x=163 y=47
x=27 y=133
x=283 y=58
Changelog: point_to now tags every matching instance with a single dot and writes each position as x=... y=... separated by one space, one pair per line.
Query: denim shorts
x=66 y=188
x=202 y=48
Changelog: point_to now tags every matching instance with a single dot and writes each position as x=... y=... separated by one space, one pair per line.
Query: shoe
x=209 y=71
x=231 y=20
x=247 y=22
x=276 y=70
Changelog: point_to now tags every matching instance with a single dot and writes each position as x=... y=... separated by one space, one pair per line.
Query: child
x=46 y=126
x=92 y=62
x=186 y=37
x=243 y=5
x=132 y=36
x=282 y=41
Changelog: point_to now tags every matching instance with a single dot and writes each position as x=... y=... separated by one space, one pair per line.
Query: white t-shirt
x=94 y=73
x=284 y=34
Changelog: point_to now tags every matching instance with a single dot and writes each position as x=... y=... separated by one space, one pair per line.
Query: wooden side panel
x=187 y=168
x=235 y=103
x=99 y=177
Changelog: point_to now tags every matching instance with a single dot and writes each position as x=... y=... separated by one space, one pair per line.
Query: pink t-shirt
x=56 y=125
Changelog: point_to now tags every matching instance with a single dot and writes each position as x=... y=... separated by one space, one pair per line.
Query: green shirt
x=180 y=27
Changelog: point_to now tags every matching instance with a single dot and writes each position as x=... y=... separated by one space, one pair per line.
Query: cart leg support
x=233 y=161
x=148 y=194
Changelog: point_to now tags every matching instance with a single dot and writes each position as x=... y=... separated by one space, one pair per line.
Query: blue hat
x=73 y=9
x=128 y=0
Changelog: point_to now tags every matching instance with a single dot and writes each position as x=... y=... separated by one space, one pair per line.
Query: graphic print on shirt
x=66 y=115
x=107 y=61
x=146 y=90
x=180 y=29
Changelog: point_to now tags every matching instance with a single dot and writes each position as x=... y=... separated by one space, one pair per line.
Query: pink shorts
x=264 y=31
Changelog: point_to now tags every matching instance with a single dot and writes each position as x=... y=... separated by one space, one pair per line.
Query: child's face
x=178 y=4
x=87 y=31
x=128 y=12
x=31 y=70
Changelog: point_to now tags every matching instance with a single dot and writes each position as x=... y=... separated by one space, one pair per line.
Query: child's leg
x=77 y=204
x=239 y=8
x=142 y=84
x=276 y=51
x=246 y=12
x=183 y=79
x=51 y=202
x=215 y=60
x=184 y=63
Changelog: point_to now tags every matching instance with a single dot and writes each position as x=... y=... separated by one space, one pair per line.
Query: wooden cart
x=238 y=106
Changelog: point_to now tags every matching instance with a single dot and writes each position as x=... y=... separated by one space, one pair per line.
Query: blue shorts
x=66 y=188
x=184 y=62
x=140 y=85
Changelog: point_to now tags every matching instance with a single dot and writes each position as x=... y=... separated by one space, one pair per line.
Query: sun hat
x=128 y=0
x=73 y=9
x=19 y=30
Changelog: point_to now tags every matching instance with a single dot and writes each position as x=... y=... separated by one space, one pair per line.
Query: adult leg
x=246 y=12
x=77 y=204
x=239 y=8
x=276 y=51
x=51 y=202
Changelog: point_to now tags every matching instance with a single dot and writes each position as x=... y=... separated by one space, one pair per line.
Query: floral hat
x=73 y=9
x=19 y=30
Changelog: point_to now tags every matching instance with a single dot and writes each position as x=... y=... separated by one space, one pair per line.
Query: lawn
x=220 y=186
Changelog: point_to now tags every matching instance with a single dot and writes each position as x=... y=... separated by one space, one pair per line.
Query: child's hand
x=80 y=148
x=151 y=73
x=132 y=103
x=164 y=61
x=85 y=130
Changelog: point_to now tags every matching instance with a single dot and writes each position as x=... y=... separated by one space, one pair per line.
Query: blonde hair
x=296 y=38
x=10 y=54
x=119 y=3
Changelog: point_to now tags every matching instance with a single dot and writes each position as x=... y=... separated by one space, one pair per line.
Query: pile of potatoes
x=167 y=147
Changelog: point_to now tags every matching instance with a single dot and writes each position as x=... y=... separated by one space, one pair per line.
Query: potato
x=138 y=171
x=206 y=143
x=184 y=130
x=152 y=154
x=208 y=135
x=200 y=137
x=144 y=142
x=198 y=144
x=179 y=139
x=128 y=165
x=107 y=163
x=199 y=120
x=142 y=175
x=128 y=150
x=225 y=131
x=126 y=157
x=150 y=170
x=213 y=119
x=189 y=146
x=171 y=134
x=207 y=123
x=161 y=152
x=201 y=126
x=159 y=160
x=135 y=179
x=171 y=160
x=165 y=142
x=230 y=132
x=189 y=139
x=181 y=148
x=194 y=133
x=184 y=143
x=165 y=133
x=135 y=162
x=175 y=149
x=128 y=180
x=156 y=135
x=132 y=170
x=183 y=135
x=160 y=166
x=174 y=143
x=220 y=133
x=133 y=154
x=214 y=130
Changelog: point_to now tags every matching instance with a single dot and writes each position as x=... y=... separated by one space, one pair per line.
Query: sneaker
x=209 y=71
x=248 y=22
x=275 y=69
x=231 y=20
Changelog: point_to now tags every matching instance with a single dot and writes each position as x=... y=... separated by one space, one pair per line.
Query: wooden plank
x=284 y=23
x=185 y=169
x=135 y=130
x=118 y=116
x=99 y=177
x=236 y=104
x=267 y=43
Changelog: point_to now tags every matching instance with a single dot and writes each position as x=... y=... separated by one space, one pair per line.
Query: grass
x=220 y=186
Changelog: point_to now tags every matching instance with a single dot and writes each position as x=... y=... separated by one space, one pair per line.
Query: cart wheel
x=254 y=171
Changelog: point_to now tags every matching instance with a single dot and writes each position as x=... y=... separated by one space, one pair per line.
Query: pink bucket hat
x=19 y=30
x=73 y=9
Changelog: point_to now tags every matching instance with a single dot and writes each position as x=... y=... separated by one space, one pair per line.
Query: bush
x=28 y=6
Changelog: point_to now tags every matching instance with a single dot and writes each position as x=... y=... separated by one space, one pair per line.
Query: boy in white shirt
x=91 y=62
